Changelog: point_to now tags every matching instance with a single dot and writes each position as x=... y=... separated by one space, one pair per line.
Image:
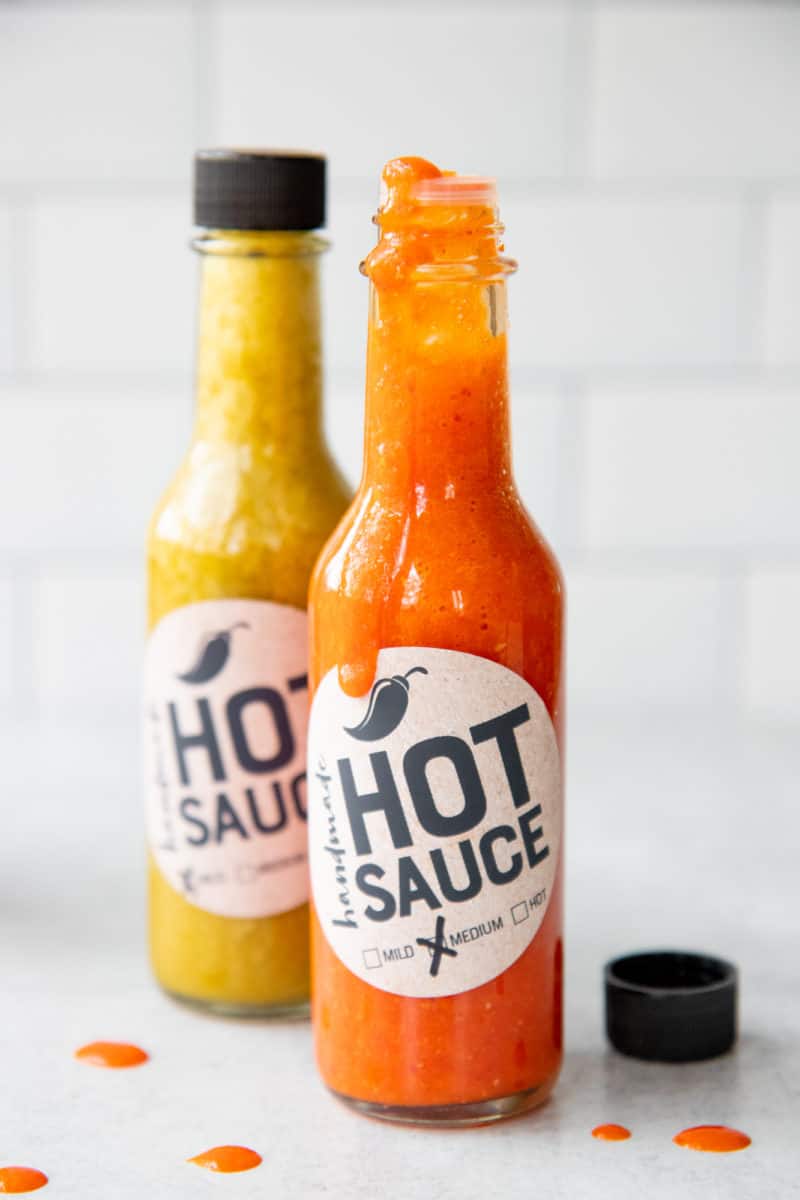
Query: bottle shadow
x=616 y=1086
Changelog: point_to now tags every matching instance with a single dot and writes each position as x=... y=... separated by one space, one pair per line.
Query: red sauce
x=227 y=1159
x=611 y=1133
x=15 y=1180
x=718 y=1139
x=112 y=1054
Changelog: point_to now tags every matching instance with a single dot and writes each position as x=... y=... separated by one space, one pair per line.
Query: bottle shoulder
x=226 y=497
x=479 y=579
x=420 y=554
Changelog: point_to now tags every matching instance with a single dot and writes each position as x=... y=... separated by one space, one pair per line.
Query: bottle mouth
x=436 y=226
x=452 y=189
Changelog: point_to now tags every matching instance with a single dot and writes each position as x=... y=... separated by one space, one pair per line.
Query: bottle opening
x=436 y=225
x=456 y=189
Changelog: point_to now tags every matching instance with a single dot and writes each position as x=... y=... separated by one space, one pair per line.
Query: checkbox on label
x=520 y=913
x=372 y=958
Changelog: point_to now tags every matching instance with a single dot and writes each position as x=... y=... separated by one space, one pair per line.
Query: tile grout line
x=21 y=271
x=578 y=86
x=93 y=188
x=732 y=641
x=204 y=74
x=46 y=385
x=23 y=577
x=115 y=559
x=656 y=375
x=571 y=467
x=634 y=188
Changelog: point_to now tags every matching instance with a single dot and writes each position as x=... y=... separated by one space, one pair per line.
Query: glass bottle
x=436 y=618
x=230 y=550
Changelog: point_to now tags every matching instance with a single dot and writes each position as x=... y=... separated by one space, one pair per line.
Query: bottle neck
x=437 y=414
x=259 y=354
x=437 y=378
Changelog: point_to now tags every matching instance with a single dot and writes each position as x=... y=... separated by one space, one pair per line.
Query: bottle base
x=287 y=1011
x=451 y=1116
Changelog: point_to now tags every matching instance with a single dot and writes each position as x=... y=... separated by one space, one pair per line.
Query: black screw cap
x=670 y=1006
x=259 y=190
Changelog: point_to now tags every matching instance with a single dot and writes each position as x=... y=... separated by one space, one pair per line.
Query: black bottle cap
x=259 y=189
x=670 y=1006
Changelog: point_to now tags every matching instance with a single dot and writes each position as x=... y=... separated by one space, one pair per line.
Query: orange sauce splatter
x=112 y=1054
x=227 y=1159
x=719 y=1139
x=611 y=1133
x=15 y=1180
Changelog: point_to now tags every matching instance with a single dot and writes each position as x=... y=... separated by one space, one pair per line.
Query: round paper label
x=225 y=707
x=434 y=820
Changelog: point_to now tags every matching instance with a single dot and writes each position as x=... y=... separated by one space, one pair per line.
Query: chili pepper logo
x=387 y=706
x=213 y=656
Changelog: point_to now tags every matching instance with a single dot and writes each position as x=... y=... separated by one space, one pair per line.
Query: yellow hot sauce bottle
x=230 y=551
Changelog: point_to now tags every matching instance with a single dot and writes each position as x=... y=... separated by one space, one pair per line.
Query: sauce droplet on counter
x=611 y=1133
x=15 y=1180
x=112 y=1054
x=227 y=1159
x=718 y=1139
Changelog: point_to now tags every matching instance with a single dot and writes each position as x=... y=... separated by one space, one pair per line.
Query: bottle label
x=434 y=820
x=226 y=705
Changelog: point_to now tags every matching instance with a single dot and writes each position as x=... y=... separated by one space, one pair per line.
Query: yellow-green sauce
x=245 y=517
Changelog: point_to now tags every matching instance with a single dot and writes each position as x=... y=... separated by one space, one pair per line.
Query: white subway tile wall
x=7 y=315
x=648 y=157
x=7 y=665
x=110 y=285
x=613 y=281
x=81 y=467
x=700 y=468
x=656 y=634
x=355 y=78
x=96 y=92
x=88 y=626
x=781 y=325
x=703 y=90
x=771 y=673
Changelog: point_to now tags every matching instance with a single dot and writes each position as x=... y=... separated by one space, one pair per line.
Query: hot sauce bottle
x=435 y=746
x=230 y=552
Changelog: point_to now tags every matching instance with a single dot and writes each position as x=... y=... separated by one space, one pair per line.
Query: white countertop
x=678 y=835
